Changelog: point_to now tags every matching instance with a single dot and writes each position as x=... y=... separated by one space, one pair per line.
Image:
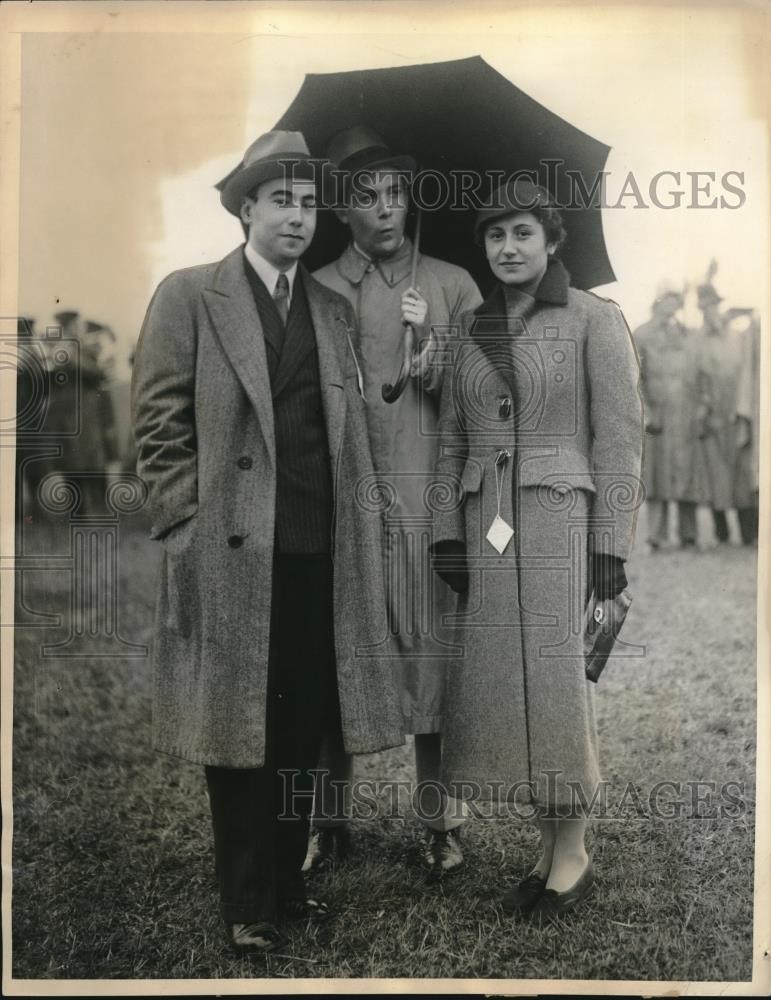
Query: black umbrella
x=459 y=116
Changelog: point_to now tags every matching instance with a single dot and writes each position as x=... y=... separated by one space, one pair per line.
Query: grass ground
x=112 y=858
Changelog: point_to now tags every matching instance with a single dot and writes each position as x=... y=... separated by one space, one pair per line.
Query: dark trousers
x=260 y=816
x=686 y=510
x=748 y=524
x=721 y=525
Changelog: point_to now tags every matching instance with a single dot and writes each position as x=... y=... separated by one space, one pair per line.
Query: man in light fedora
x=252 y=439
x=374 y=274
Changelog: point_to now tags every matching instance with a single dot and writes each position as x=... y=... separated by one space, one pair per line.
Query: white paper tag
x=500 y=534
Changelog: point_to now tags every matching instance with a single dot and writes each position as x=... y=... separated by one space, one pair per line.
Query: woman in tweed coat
x=541 y=433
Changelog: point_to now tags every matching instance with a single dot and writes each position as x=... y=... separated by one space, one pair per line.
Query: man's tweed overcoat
x=542 y=411
x=203 y=420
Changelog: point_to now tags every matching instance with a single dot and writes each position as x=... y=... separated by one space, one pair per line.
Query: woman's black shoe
x=553 y=904
x=520 y=900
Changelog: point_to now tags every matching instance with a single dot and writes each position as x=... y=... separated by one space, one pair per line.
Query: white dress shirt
x=268 y=273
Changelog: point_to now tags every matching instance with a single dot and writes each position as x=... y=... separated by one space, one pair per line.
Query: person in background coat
x=374 y=274
x=541 y=435
x=252 y=440
x=668 y=384
x=747 y=421
x=718 y=360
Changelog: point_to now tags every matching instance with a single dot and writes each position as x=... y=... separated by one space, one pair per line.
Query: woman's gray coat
x=547 y=388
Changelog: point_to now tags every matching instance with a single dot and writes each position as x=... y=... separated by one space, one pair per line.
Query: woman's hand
x=448 y=560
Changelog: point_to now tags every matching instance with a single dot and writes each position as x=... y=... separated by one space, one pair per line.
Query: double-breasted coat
x=541 y=424
x=404 y=451
x=203 y=421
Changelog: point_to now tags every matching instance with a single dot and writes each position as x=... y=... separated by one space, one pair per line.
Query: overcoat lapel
x=236 y=321
x=331 y=329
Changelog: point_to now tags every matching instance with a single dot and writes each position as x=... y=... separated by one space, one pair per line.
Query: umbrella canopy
x=457 y=116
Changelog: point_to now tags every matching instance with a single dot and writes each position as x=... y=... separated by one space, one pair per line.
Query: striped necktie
x=281 y=297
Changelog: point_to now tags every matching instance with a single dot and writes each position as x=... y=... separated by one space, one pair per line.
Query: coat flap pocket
x=471 y=478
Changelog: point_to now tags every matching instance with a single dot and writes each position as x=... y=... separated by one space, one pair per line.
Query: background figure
x=80 y=414
x=26 y=468
x=746 y=470
x=374 y=274
x=718 y=361
x=668 y=386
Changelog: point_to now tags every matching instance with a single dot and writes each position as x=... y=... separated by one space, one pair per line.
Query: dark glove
x=606 y=575
x=448 y=560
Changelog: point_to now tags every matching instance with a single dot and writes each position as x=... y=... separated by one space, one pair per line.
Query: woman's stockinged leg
x=569 y=858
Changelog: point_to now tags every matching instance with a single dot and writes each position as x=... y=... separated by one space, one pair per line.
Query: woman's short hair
x=522 y=195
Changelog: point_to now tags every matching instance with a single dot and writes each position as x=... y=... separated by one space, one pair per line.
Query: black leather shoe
x=520 y=900
x=257 y=938
x=552 y=904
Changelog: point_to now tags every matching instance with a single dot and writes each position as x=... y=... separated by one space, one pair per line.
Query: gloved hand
x=606 y=575
x=448 y=560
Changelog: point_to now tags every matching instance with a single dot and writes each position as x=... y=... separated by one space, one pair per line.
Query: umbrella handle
x=391 y=392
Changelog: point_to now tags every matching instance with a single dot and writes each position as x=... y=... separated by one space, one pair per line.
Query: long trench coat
x=404 y=451
x=203 y=420
x=746 y=472
x=541 y=424
x=718 y=364
x=669 y=384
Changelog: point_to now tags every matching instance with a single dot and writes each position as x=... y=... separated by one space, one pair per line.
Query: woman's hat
x=274 y=154
x=518 y=194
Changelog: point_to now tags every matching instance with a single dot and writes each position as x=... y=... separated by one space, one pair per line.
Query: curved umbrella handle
x=392 y=392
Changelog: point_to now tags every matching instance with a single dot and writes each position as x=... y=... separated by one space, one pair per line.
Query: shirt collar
x=354 y=264
x=267 y=272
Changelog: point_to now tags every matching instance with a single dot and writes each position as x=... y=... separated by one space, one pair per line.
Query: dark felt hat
x=65 y=316
x=518 y=194
x=362 y=149
x=274 y=154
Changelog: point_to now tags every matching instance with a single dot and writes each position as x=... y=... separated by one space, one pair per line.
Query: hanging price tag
x=500 y=533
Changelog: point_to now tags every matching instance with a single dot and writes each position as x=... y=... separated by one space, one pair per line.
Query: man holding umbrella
x=390 y=285
x=252 y=438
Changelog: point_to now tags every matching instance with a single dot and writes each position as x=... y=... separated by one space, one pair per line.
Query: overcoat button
x=504 y=410
x=235 y=541
x=244 y=462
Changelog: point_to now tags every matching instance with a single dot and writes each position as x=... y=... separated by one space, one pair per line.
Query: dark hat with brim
x=66 y=316
x=361 y=150
x=274 y=154
x=518 y=194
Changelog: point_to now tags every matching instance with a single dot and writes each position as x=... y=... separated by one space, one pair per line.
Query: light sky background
x=124 y=134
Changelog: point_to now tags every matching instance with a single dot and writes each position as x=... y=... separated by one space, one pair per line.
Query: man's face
x=377 y=212
x=281 y=220
x=669 y=305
